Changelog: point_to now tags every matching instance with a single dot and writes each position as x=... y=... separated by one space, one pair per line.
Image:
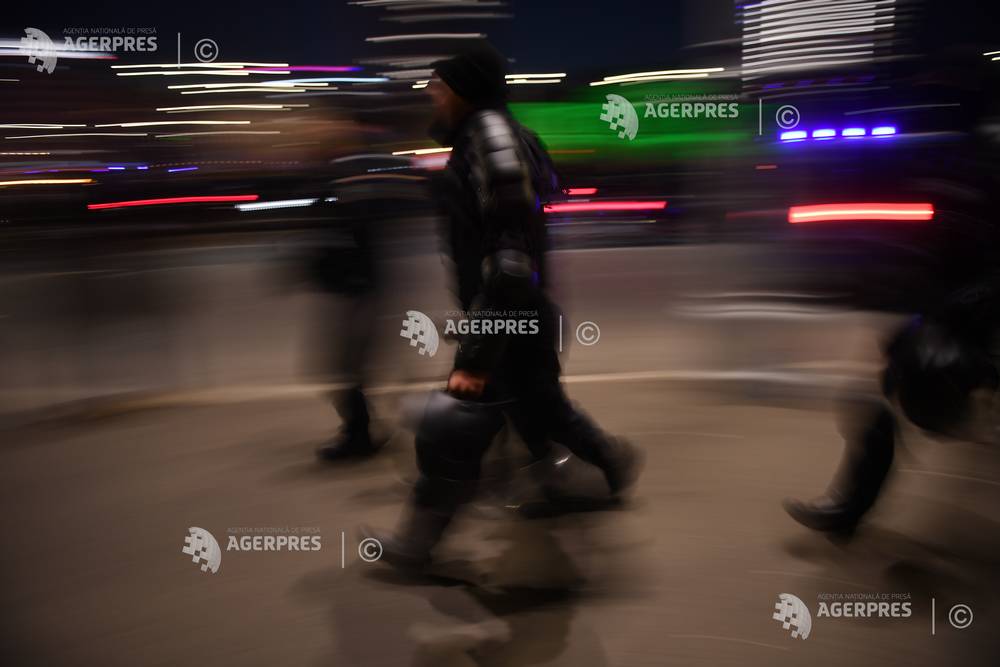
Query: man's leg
x=432 y=506
x=863 y=469
x=543 y=408
x=450 y=444
x=354 y=438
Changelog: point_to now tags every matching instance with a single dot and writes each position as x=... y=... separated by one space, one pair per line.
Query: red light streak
x=173 y=200
x=916 y=212
x=571 y=207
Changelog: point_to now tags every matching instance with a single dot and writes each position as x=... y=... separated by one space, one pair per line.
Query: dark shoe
x=824 y=514
x=348 y=445
x=623 y=466
x=420 y=530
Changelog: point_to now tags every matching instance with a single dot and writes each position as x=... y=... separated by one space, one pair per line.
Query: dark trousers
x=349 y=324
x=869 y=444
x=527 y=383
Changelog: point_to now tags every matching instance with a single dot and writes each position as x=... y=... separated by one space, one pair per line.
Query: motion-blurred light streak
x=231 y=107
x=176 y=122
x=47 y=181
x=575 y=207
x=423 y=151
x=200 y=199
x=216 y=132
x=226 y=65
x=277 y=203
x=78 y=134
x=912 y=212
x=428 y=35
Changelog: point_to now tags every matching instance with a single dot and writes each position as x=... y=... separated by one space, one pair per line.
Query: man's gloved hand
x=465 y=384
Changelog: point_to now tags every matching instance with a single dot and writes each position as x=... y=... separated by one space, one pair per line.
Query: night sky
x=610 y=35
x=544 y=34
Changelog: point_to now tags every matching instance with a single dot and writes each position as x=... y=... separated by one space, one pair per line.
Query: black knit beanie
x=476 y=74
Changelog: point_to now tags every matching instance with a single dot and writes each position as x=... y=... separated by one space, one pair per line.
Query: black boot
x=863 y=471
x=826 y=514
x=353 y=440
x=347 y=444
x=409 y=548
x=434 y=504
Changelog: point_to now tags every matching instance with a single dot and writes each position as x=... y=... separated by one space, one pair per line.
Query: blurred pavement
x=686 y=575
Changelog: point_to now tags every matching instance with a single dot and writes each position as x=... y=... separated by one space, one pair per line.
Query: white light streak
x=177 y=122
x=428 y=35
x=79 y=134
x=423 y=151
x=277 y=203
x=193 y=134
x=231 y=107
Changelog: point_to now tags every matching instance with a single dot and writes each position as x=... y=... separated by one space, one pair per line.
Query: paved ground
x=96 y=512
x=708 y=359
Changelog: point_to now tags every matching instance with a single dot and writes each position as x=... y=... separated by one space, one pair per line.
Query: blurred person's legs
x=543 y=414
x=869 y=444
x=452 y=442
x=452 y=439
x=932 y=374
x=354 y=438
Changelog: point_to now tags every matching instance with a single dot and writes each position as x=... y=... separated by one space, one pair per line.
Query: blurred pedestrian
x=491 y=192
x=941 y=361
x=366 y=195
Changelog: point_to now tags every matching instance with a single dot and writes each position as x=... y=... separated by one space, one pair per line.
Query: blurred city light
x=577 y=207
x=200 y=199
x=860 y=211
